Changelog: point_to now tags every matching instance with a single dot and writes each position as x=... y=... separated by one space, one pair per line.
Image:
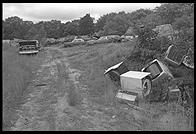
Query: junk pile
x=137 y=85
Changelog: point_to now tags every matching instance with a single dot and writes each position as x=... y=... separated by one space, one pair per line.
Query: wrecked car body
x=29 y=47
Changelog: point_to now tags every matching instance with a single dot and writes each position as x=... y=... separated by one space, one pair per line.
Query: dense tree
x=71 y=28
x=169 y=12
x=152 y=20
x=37 y=32
x=101 y=22
x=180 y=15
x=12 y=27
x=137 y=15
x=86 y=25
x=53 y=28
x=118 y=25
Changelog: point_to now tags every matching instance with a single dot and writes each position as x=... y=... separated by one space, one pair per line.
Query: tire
x=147 y=87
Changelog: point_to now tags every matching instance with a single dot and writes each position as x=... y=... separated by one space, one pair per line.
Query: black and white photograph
x=98 y=66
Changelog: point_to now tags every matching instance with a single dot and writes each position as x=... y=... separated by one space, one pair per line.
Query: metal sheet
x=113 y=67
x=125 y=96
x=135 y=74
x=28 y=52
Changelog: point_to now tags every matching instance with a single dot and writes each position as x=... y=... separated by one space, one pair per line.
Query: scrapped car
x=126 y=38
x=78 y=40
x=103 y=38
x=29 y=47
x=114 y=38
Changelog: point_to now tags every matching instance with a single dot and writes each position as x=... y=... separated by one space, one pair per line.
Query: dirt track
x=46 y=108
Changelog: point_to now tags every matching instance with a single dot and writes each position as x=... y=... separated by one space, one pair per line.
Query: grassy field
x=93 y=60
x=17 y=73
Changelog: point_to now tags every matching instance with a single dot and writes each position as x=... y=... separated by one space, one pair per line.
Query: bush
x=150 y=46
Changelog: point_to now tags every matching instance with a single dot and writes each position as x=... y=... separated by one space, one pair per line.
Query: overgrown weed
x=17 y=73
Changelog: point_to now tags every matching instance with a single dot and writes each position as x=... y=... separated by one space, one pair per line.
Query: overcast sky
x=68 y=11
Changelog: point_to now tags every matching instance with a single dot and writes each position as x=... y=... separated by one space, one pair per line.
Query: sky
x=68 y=11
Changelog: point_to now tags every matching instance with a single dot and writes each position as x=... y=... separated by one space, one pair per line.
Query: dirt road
x=46 y=107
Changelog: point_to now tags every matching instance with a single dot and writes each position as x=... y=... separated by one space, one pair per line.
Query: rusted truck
x=29 y=47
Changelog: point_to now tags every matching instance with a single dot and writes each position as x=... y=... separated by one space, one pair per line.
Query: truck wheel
x=147 y=87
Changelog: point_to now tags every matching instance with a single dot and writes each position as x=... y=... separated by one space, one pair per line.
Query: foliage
x=180 y=15
x=17 y=72
x=15 y=27
x=138 y=15
x=152 y=20
x=101 y=22
x=53 y=28
x=149 y=46
x=86 y=25
x=118 y=25
x=71 y=28
x=37 y=32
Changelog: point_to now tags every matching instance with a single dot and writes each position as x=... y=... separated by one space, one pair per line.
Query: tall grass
x=103 y=91
x=73 y=97
x=17 y=72
x=94 y=62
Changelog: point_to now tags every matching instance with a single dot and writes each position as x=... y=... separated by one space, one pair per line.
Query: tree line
x=180 y=15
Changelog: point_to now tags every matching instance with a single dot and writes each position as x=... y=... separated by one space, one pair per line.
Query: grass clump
x=73 y=96
x=17 y=73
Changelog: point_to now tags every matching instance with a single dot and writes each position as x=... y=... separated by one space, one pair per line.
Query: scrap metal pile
x=158 y=79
